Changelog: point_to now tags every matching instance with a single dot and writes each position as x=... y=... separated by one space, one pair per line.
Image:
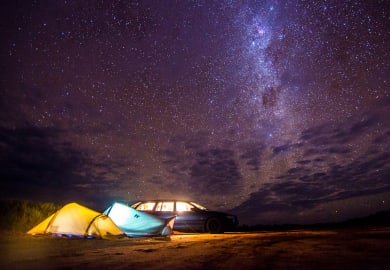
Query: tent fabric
x=136 y=223
x=76 y=220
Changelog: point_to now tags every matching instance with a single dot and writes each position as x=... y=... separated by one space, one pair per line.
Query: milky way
x=275 y=110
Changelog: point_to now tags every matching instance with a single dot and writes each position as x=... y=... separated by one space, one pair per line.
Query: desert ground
x=358 y=248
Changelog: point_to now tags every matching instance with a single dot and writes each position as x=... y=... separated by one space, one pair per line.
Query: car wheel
x=214 y=225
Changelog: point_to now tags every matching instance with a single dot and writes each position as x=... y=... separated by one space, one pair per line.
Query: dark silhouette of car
x=190 y=216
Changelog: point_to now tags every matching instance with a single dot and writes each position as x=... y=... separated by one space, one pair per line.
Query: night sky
x=277 y=111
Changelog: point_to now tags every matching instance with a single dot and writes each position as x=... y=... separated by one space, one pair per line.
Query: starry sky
x=277 y=111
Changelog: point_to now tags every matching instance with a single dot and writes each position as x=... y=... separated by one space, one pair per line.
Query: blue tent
x=136 y=223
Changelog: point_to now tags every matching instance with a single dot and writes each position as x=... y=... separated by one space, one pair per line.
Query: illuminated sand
x=341 y=249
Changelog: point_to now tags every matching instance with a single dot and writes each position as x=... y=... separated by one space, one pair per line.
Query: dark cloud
x=253 y=153
x=282 y=149
x=39 y=164
x=330 y=170
x=200 y=168
x=34 y=160
x=215 y=171
x=383 y=138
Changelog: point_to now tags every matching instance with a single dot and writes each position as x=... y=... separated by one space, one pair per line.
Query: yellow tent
x=76 y=220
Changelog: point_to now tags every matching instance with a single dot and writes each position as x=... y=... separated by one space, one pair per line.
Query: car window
x=183 y=207
x=146 y=206
x=135 y=205
x=164 y=206
x=199 y=206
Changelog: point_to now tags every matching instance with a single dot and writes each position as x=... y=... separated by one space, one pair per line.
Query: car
x=190 y=216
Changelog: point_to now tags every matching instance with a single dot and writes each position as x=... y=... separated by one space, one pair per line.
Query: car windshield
x=199 y=206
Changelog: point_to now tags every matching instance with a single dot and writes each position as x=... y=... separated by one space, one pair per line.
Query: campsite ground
x=357 y=248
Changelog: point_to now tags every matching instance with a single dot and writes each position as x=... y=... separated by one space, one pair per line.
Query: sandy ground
x=303 y=249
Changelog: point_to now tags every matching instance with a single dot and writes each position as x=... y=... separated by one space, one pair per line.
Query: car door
x=188 y=217
x=165 y=209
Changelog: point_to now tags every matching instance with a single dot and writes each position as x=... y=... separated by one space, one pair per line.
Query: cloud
x=337 y=162
x=215 y=170
x=34 y=161
x=282 y=148
x=41 y=164
x=325 y=163
x=253 y=153
x=200 y=168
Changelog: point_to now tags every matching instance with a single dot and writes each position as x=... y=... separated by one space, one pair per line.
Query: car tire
x=214 y=225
